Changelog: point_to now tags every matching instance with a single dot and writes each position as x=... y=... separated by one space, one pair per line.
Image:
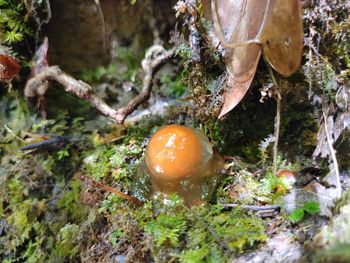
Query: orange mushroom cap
x=285 y=173
x=174 y=152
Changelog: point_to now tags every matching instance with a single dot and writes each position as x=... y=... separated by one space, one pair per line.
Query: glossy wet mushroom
x=181 y=160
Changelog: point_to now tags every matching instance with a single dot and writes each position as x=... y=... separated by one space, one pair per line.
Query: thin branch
x=277 y=134
x=156 y=57
x=277 y=118
x=150 y=67
x=333 y=155
x=254 y=207
x=107 y=188
x=100 y=13
x=10 y=131
x=71 y=85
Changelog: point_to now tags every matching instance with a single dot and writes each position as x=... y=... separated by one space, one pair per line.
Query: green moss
x=206 y=233
x=70 y=202
x=173 y=87
x=126 y=67
x=67 y=243
x=166 y=228
x=36 y=203
x=119 y=161
x=13 y=27
x=97 y=163
x=184 y=51
x=337 y=254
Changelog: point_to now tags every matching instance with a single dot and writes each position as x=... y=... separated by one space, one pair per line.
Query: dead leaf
x=245 y=27
x=241 y=61
x=282 y=36
x=234 y=94
x=9 y=67
x=229 y=15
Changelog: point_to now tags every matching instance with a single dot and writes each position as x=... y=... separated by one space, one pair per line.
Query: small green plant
x=16 y=22
x=184 y=51
x=70 y=201
x=62 y=154
x=125 y=69
x=13 y=26
x=67 y=245
x=115 y=236
x=167 y=228
x=173 y=87
x=311 y=208
x=195 y=231
x=194 y=255
x=275 y=185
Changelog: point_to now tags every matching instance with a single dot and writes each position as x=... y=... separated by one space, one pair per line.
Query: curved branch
x=156 y=57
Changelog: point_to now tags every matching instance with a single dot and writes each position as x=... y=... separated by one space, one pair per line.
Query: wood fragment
x=333 y=155
x=155 y=58
x=277 y=125
x=254 y=207
x=107 y=188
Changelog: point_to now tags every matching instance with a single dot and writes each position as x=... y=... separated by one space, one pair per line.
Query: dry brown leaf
x=282 y=36
x=241 y=61
x=9 y=67
x=229 y=15
x=245 y=27
x=235 y=93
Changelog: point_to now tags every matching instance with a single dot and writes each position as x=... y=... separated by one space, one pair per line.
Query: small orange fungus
x=174 y=152
x=288 y=176
x=285 y=173
x=181 y=160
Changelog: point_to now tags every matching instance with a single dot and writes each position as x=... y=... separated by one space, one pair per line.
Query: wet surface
x=179 y=160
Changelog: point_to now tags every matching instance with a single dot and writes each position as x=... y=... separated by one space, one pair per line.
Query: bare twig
x=254 y=207
x=154 y=59
x=107 y=188
x=276 y=134
x=100 y=13
x=57 y=142
x=79 y=88
x=10 y=131
x=333 y=155
x=277 y=118
x=150 y=67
